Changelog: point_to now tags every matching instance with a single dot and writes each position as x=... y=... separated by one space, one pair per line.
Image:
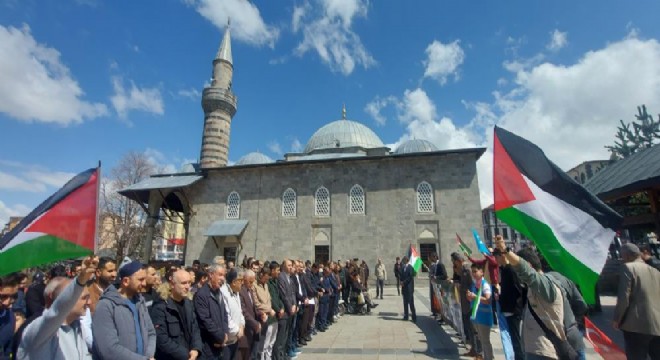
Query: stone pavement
x=384 y=336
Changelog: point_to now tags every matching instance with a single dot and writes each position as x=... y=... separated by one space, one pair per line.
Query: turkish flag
x=602 y=344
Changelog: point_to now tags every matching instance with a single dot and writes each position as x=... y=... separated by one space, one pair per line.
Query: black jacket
x=512 y=293
x=212 y=319
x=407 y=279
x=175 y=339
x=287 y=292
x=34 y=300
x=440 y=272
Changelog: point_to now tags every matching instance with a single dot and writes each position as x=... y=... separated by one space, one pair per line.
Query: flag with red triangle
x=602 y=343
x=570 y=226
x=62 y=227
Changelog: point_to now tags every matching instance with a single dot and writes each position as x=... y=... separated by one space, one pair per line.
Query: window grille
x=356 y=204
x=289 y=203
x=424 y=198
x=322 y=202
x=233 y=206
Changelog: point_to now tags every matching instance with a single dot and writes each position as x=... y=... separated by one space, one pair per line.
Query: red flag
x=602 y=344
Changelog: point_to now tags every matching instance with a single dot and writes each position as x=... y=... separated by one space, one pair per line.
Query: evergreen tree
x=641 y=134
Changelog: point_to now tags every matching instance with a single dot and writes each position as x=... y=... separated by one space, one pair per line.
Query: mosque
x=346 y=195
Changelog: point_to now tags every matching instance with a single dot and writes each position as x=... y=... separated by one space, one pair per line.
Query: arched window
x=356 y=204
x=322 y=202
x=233 y=206
x=289 y=203
x=424 y=197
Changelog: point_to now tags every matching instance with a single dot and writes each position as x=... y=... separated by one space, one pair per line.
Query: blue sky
x=88 y=80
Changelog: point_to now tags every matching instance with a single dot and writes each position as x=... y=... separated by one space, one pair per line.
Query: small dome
x=342 y=134
x=254 y=158
x=416 y=146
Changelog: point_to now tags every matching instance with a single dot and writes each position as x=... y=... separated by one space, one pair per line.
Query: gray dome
x=342 y=134
x=415 y=146
x=254 y=158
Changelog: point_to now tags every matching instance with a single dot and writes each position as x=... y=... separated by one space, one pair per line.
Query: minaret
x=219 y=104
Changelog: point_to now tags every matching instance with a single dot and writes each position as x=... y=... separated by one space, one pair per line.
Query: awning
x=140 y=191
x=226 y=228
x=177 y=241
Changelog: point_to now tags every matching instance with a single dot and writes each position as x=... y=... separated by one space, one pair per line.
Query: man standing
x=8 y=294
x=408 y=289
x=381 y=277
x=280 y=311
x=150 y=294
x=253 y=317
x=121 y=324
x=264 y=305
x=397 y=274
x=106 y=273
x=463 y=277
x=512 y=302
x=557 y=335
x=637 y=311
x=288 y=296
x=235 y=318
x=57 y=333
x=177 y=332
x=211 y=313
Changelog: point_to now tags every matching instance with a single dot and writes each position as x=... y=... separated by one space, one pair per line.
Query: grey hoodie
x=114 y=329
x=47 y=338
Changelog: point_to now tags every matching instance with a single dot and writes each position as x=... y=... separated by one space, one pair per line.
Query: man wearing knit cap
x=637 y=311
x=121 y=324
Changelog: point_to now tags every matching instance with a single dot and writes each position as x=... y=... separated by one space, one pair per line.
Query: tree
x=122 y=221
x=641 y=134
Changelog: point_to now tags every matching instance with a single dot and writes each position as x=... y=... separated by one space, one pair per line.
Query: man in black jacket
x=512 y=303
x=397 y=274
x=408 y=289
x=288 y=297
x=177 y=332
x=212 y=314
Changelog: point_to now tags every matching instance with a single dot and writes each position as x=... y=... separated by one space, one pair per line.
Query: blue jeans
x=379 y=287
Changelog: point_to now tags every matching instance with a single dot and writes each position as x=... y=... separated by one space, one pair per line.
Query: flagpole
x=98 y=200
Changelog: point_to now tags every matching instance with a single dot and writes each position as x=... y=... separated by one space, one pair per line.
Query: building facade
x=586 y=170
x=345 y=196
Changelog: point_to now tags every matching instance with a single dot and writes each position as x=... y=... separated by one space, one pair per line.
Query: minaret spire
x=219 y=104
x=224 y=53
x=343 y=112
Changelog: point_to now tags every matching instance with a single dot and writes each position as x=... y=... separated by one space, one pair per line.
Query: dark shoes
x=374 y=306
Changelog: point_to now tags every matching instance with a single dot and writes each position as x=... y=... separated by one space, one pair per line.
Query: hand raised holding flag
x=89 y=266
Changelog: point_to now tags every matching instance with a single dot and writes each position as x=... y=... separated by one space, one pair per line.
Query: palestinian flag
x=571 y=227
x=463 y=247
x=62 y=227
x=414 y=259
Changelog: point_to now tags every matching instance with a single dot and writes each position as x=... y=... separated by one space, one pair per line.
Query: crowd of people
x=544 y=310
x=102 y=309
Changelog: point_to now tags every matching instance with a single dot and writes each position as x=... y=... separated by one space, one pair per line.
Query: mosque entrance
x=321 y=254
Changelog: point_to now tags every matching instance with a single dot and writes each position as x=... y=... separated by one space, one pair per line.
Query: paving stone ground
x=384 y=336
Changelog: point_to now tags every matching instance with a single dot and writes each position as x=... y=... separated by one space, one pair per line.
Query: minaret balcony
x=219 y=99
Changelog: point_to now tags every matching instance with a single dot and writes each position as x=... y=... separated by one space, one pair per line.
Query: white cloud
x=247 y=25
x=416 y=106
x=8 y=211
x=572 y=111
x=135 y=98
x=162 y=163
x=326 y=29
x=558 y=40
x=15 y=176
x=36 y=85
x=443 y=60
x=275 y=147
x=296 y=146
x=375 y=107
x=192 y=93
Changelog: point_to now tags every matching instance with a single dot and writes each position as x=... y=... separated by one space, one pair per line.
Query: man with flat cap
x=121 y=324
x=637 y=311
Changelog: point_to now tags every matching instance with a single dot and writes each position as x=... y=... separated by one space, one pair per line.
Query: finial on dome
x=343 y=112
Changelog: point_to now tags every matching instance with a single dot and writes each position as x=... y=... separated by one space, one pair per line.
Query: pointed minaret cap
x=225 y=47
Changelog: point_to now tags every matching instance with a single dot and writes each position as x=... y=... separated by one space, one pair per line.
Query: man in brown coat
x=637 y=311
